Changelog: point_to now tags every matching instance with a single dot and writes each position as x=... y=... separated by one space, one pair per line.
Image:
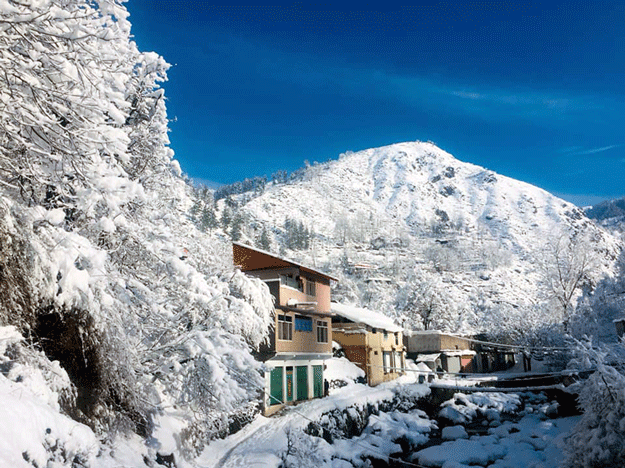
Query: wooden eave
x=250 y=259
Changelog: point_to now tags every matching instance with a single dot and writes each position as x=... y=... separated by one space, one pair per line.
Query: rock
x=454 y=432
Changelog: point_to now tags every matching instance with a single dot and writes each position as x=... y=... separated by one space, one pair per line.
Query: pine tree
x=209 y=219
x=237 y=226
x=195 y=210
x=226 y=217
x=263 y=240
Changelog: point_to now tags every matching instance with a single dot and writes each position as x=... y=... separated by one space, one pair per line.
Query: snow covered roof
x=365 y=316
x=420 y=366
x=250 y=258
x=427 y=357
x=458 y=352
x=433 y=332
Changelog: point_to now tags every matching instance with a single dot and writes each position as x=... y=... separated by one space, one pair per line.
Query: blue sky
x=534 y=91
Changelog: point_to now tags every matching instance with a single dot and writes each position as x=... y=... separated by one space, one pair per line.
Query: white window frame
x=322 y=328
x=285 y=327
x=311 y=288
x=387 y=365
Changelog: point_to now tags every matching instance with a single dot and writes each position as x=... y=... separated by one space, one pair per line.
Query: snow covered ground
x=476 y=429
x=533 y=442
x=494 y=429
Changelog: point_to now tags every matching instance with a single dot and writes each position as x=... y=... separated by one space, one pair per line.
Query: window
x=285 y=327
x=311 y=289
x=397 y=338
x=303 y=324
x=374 y=330
x=385 y=334
x=398 y=363
x=322 y=331
x=291 y=282
x=386 y=356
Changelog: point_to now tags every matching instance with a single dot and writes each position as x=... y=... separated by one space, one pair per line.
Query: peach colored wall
x=304 y=342
x=454 y=342
x=323 y=296
x=348 y=339
x=322 y=289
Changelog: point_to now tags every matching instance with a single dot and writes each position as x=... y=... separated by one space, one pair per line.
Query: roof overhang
x=305 y=311
x=251 y=259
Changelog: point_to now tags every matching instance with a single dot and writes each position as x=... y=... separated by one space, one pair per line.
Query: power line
x=520 y=347
x=495 y=376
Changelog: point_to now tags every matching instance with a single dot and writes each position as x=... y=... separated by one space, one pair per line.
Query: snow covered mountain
x=609 y=214
x=409 y=225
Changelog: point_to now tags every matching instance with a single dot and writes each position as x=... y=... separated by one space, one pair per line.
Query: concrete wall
x=427 y=342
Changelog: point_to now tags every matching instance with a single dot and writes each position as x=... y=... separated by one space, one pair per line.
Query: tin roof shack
x=301 y=339
x=371 y=340
x=453 y=352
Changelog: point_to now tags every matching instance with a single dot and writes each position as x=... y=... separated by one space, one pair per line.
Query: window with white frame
x=322 y=331
x=398 y=367
x=387 y=356
x=311 y=289
x=285 y=327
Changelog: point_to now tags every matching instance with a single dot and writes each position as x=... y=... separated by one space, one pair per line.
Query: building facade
x=301 y=339
x=370 y=340
x=441 y=351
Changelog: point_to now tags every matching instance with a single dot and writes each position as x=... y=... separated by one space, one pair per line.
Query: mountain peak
x=412 y=207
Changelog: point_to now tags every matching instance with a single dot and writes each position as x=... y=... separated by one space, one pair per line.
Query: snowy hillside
x=410 y=216
x=609 y=214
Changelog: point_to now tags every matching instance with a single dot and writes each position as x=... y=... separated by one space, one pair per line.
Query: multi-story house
x=370 y=340
x=301 y=339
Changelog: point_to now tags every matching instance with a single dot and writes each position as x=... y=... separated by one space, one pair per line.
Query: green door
x=275 y=386
x=302 y=383
x=318 y=381
x=289 y=383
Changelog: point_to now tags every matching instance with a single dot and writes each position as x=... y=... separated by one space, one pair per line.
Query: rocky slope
x=410 y=216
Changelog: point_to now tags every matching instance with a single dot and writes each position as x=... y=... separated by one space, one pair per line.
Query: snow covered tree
x=568 y=264
x=423 y=304
x=107 y=273
x=263 y=240
x=598 y=440
x=226 y=217
x=236 y=228
x=208 y=220
x=297 y=235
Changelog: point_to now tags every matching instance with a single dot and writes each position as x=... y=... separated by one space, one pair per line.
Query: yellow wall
x=366 y=349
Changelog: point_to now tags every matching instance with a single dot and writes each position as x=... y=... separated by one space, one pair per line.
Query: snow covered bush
x=598 y=440
x=100 y=267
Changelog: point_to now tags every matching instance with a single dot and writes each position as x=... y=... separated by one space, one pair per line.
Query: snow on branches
x=93 y=215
